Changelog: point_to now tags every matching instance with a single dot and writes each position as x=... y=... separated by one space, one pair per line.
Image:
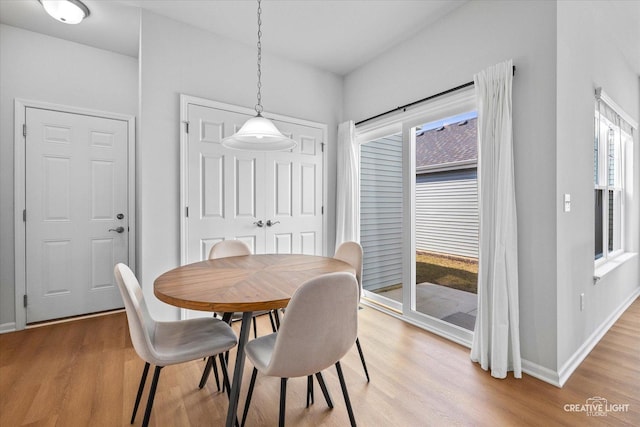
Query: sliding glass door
x=419 y=215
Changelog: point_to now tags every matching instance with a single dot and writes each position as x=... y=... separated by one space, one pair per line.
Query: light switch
x=567 y=202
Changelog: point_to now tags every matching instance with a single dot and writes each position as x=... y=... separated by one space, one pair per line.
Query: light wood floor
x=85 y=373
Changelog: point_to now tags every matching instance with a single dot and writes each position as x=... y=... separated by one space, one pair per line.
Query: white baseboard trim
x=540 y=372
x=7 y=327
x=578 y=357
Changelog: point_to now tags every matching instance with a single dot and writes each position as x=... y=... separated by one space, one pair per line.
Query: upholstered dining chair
x=351 y=253
x=168 y=343
x=224 y=249
x=320 y=326
x=229 y=248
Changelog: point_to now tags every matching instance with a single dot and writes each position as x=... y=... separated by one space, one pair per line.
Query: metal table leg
x=239 y=367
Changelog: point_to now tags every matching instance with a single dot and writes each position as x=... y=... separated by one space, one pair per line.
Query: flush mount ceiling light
x=66 y=11
x=259 y=133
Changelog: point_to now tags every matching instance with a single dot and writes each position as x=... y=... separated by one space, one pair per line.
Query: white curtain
x=347 y=185
x=496 y=340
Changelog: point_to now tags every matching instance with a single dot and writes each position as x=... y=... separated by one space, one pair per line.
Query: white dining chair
x=320 y=326
x=168 y=343
x=351 y=253
x=229 y=248
x=224 y=249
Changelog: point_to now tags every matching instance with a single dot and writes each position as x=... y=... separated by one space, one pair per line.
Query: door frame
x=185 y=101
x=444 y=106
x=19 y=190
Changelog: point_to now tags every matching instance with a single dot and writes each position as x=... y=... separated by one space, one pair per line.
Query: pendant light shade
x=259 y=133
x=66 y=11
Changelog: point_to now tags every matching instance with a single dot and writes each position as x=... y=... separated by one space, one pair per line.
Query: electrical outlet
x=582 y=302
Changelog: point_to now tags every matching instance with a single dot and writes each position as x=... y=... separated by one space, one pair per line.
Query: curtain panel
x=496 y=339
x=347 y=186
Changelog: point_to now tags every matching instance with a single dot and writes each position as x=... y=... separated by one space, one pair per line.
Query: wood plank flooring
x=85 y=373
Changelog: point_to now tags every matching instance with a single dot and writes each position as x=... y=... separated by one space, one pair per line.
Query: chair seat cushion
x=185 y=340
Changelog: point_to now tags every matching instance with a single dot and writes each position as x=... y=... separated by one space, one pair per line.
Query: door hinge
x=322 y=210
x=24 y=215
x=322 y=147
x=24 y=129
x=186 y=127
x=186 y=211
x=24 y=300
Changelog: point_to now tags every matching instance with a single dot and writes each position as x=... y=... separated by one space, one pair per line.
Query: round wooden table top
x=242 y=283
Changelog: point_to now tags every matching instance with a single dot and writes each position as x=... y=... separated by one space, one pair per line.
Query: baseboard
x=7 y=327
x=578 y=357
x=540 y=372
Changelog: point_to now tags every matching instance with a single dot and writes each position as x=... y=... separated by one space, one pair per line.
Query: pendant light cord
x=258 y=106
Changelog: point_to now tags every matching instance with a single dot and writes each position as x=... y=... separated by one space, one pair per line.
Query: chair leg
x=345 y=393
x=309 y=389
x=143 y=380
x=273 y=322
x=152 y=394
x=364 y=364
x=254 y=374
x=277 y=317
x=283 y=401
x=211 y=363
x=325 y=391
x=225 y=375
x=255 y=327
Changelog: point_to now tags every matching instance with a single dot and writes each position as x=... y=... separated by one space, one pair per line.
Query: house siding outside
x=381 y=212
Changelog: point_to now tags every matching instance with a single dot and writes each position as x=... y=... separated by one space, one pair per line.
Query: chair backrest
x=141 y=324
x=227 y=248
x=351 y=253
x=320 y=326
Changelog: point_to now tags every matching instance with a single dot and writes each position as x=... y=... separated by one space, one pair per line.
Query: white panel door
x=293 y=196
x=224 y=187
x=229 y=191
x=76 y=192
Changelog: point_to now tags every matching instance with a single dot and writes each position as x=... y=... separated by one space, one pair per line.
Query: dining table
x=243 y=284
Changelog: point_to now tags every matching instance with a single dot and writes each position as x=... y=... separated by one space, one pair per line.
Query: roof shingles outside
x=455 y=143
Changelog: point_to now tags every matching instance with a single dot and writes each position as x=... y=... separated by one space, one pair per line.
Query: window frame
x=617 y=139
x=602 y=171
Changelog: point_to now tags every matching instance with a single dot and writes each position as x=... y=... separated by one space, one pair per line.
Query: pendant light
x=259 y=133
x=66 y=11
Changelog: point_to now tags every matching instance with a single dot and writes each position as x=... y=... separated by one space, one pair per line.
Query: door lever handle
x=270 y=223
x=260 y=224
x=117 y=230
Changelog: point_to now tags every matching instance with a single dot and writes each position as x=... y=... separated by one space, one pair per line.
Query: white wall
x=588 y=58
x=43 y=68
x=175 y=59
x=472 y=38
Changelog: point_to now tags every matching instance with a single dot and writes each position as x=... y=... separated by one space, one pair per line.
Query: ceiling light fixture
x=259 y=133
x=66 y=11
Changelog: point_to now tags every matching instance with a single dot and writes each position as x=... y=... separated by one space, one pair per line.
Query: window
x=611 y=137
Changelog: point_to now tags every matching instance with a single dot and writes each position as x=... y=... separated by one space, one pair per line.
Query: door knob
x=117 y=230
x=270 y=223
x=259 y=223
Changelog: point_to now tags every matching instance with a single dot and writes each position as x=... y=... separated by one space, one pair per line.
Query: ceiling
x=337 y=35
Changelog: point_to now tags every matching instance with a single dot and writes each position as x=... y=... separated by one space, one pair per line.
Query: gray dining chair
x=351 y=253
x=224 y=249
x=168 y=343
x=320 y=326
x=229 y=248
